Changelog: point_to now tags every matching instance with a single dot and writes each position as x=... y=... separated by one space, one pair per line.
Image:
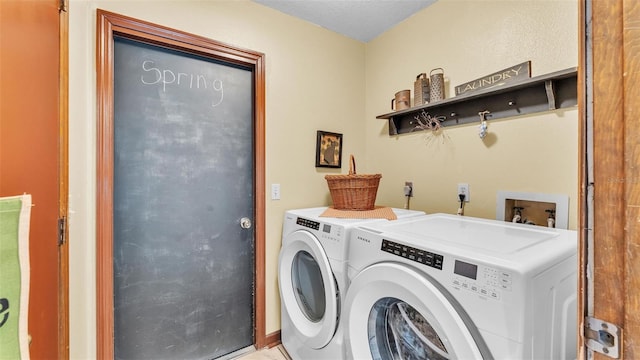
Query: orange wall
x=29 y=148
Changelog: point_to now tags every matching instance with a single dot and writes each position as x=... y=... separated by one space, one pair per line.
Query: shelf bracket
x=393 y=130
x=551 y=94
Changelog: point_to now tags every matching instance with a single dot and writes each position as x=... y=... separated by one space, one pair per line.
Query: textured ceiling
x=358 y=19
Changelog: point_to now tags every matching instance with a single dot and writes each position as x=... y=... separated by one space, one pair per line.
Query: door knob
x=245 y=223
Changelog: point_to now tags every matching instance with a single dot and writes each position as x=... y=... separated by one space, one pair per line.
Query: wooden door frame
x=63 y=189
x=609 y=104
x=108 y=25
x=583 y=176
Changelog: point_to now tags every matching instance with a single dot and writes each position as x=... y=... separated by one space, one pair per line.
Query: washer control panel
x=418 y=255
x=480 y=279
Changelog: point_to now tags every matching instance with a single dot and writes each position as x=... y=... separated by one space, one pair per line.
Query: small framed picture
x=329 y=150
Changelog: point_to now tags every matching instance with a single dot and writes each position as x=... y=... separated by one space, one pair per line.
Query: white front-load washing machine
x=312 y=274
x=451 y=287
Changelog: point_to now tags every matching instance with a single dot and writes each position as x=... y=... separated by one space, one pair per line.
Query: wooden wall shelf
x=541 y=93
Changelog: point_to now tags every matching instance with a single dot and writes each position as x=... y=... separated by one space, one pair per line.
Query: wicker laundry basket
x=352 y=191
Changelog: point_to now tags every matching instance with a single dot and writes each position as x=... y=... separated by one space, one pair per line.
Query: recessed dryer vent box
x=534 y=206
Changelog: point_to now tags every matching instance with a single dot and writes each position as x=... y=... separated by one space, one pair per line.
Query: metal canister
x=421 y=90
x=402 y=100
x=437 y=84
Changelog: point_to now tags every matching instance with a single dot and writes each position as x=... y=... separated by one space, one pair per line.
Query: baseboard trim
x=272 y=339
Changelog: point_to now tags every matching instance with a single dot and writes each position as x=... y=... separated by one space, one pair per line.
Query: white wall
x=318 y=80
x=470 y=39
x=314 y=81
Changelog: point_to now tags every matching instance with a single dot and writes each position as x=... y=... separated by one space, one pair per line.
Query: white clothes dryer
x=451 y=287
x=313 y=280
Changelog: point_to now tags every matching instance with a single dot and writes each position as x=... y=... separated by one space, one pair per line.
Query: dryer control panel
x=308 y=223
x=323 y=230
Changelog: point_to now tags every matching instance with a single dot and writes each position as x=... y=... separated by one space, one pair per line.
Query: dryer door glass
x=308 y=286
x=398 y=331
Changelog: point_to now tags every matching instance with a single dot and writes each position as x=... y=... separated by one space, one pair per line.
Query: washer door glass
x=398 y=331
x=308 y=285
x=393 y=312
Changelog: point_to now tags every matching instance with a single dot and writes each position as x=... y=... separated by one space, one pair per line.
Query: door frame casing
x=63 y=186
x=609 y=104
x=108 y=25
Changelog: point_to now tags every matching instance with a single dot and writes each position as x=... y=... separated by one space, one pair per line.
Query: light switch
x=275 y=191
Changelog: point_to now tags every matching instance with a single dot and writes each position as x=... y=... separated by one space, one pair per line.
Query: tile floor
x=274 y=353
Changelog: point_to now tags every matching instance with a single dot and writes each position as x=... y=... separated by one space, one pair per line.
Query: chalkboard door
x=183 y=180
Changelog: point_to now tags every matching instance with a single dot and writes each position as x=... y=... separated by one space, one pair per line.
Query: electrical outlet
x=463 y=189
x=275 y=191
x=408 y=188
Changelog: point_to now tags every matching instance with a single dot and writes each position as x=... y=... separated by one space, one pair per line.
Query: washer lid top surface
x=481 y=238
